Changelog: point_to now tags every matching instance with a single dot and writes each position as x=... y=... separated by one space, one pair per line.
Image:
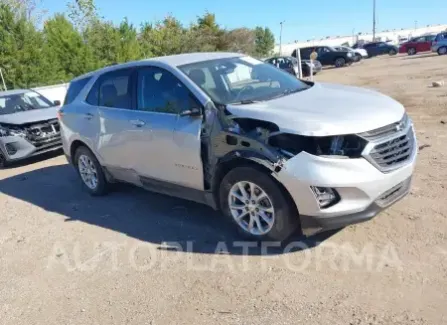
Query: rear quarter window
x=74 y=89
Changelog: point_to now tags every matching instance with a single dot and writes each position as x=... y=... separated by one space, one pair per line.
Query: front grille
x=393 y=194
x=393 y=152
x=391 y=146
x=387 y=130
x=44 y=134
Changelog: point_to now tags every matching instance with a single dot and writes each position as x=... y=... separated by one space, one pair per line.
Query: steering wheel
x=244 y=89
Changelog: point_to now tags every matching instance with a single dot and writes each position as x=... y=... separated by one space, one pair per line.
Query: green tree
x=68 y=48
x=21 y=49
x=264 y=41
x=82 y=13
x=129 y=47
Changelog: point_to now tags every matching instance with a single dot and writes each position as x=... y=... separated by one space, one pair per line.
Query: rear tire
x=340 y=62
x=442 y=50
x=85 y=160
x=411 y=51
x=392 y=52
x=283 y=219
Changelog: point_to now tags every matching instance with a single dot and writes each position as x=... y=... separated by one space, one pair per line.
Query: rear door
x=112 y=94
x=325 y=55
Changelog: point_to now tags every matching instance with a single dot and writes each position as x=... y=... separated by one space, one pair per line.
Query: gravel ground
x=135 y=257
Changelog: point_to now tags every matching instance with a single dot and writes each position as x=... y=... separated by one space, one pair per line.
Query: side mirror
x=57 y=103
x=193 y=112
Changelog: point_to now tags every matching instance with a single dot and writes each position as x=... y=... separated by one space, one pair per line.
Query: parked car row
x=290 y=65
x=327 y=55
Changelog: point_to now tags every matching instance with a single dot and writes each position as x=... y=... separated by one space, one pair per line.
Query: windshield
x=21 y=102
x=242 y=80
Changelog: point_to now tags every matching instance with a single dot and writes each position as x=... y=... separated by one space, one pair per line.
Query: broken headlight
x=341 y=146
x=6 y=131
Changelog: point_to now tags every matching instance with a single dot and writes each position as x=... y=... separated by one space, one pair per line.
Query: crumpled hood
x=31 y=116
x=325 y=109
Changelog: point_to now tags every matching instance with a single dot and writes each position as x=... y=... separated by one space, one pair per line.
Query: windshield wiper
x=245 y=102
x=286 y=92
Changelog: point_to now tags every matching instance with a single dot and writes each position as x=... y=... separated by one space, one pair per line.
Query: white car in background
x=358 y=53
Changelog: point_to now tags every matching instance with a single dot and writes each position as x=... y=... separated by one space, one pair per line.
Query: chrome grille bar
x=388 y=150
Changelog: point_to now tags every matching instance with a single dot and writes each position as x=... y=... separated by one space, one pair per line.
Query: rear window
x=74 y=89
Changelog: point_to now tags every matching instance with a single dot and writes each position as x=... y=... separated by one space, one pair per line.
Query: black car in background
x=290 y=64
x=327 y=55
x=380 y=48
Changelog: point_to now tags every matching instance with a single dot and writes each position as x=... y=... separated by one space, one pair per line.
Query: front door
x=168 y=144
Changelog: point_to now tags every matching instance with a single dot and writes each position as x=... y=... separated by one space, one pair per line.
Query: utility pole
x=280 y=38
x=374 y=20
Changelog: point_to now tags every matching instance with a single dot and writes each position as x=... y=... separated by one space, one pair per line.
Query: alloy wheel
x=340 y=62
x=411 y=51
x=88 y=171
x=251 y=208
x=442 y=50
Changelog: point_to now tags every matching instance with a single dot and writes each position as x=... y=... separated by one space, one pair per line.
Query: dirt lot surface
x=68 y=258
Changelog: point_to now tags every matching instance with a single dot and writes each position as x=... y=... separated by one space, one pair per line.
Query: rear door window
x=113 y=89
x=74 y=89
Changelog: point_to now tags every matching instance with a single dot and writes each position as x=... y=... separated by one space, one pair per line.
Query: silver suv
x=28 y=125
x=273 y=152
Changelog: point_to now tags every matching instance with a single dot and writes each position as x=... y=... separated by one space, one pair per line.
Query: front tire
x=340 y=62
x=358 y=57
x=90 y=171
x=442 y=50
x=257 y=205
x=411 y=51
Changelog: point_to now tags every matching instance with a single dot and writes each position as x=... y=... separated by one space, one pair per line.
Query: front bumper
x=364 y=191
x=17 y=148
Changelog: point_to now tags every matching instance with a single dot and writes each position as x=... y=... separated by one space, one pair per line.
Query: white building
x=394 y=35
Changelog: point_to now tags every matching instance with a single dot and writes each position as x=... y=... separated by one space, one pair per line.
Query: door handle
x=137 y=123
x=88 y=116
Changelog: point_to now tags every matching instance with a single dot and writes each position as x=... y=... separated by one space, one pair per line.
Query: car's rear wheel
x=340 y=62
x=392 y=52
x=257 y=205
x=411 y=51
x=91 y=172
x=442 y=50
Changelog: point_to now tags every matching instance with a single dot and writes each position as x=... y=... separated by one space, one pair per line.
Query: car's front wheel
x=442 y=50
x=257 y=205
x=340 y=62
x=411 y=51
x=90 y=171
